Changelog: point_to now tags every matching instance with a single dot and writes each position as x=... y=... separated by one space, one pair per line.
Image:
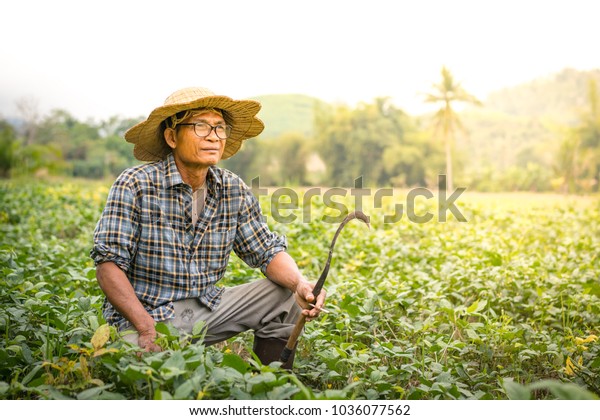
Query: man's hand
x=304 y=297
x=146 y=340
x=283 y=270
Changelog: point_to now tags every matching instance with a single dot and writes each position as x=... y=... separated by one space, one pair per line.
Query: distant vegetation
x=559 y=97
x=517 y=140
x=539 y=136
x=284 y=114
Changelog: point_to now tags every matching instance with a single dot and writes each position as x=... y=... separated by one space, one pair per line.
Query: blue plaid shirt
x=146 y=229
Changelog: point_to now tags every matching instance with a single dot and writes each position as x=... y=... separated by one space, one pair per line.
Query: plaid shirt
x=146 y=229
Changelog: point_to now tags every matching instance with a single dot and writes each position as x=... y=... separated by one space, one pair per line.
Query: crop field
x=505 y=305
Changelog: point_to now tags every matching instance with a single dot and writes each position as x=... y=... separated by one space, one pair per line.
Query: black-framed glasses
x=203 y=129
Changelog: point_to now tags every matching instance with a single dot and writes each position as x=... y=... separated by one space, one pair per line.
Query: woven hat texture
x=148 y=138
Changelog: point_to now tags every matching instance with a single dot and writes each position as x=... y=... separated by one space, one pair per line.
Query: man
x=165 y=236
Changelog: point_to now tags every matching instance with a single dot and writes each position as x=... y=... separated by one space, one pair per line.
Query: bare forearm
x=283 y=270
x=119 y=292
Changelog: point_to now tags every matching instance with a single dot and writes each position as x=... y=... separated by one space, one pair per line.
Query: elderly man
x=168 y=228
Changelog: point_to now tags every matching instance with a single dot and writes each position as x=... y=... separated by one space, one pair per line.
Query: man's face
x=192 y=150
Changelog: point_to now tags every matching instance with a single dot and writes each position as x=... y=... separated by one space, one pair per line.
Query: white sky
x=119 y=57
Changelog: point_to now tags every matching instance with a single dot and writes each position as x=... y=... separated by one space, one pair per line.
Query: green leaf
x=173 y=366
x=234 y=361
x=160 y=394
x=167 y=329
x=91 y=393
x=31 y=374
x=515 y=391
x=565 y=390
x=477 y=306
x=199 y=328
x=186 y=389
x=84 y=303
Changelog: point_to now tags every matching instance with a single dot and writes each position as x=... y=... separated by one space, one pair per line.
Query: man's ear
x=169 y=134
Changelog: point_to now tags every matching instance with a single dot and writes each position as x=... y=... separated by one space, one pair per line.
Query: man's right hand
x=114 y=283
x=146 y=340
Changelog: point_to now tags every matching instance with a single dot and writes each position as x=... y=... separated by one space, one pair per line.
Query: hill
x=515 y=135
x=558 y=97
x=519 y=129
x=286 y=113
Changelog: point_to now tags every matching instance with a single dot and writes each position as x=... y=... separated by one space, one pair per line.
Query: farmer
x=164 y=239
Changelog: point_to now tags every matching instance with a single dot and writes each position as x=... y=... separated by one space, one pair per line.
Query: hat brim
x=148 y=137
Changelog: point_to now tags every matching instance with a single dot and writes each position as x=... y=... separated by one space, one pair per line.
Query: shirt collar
x=173 y=177
x=214 y=181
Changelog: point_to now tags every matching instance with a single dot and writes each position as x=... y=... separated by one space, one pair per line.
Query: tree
x=376 y=141
x=29 y=110
x=588 y=132
x=578 y=161
x=446 y=120
x=7 y=148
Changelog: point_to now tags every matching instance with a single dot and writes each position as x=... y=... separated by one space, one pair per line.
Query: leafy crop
x=505 y=305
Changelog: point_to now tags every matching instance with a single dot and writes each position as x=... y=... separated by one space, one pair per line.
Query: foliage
x=283 y=114
x=558 y=96
x=538 y=136
x=276 y=162
x=503 y=306
x=377 y=141
x=59 y=144
x=446 y=94
x=579 y=163
x=7 y=148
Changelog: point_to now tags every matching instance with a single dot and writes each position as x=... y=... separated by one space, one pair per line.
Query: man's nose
x=212 y=136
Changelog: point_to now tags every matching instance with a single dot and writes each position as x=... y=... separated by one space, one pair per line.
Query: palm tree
x=447 y=92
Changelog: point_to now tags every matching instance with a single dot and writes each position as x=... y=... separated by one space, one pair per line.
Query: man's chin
x=209 y=159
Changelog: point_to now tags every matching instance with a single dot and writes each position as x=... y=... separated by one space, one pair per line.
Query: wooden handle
x=287 y=351
x=289 y=347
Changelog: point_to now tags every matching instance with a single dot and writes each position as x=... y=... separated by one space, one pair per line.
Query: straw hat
x=150 y=144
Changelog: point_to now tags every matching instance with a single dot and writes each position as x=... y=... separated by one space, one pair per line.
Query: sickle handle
x=287 y=351
x=289 y=347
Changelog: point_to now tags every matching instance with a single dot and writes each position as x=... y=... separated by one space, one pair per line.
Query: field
x=504 y=305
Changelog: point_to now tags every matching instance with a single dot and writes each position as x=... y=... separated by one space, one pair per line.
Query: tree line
x=375 y=141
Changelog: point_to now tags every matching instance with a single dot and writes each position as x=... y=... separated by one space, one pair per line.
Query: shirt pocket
x=150 y=213
x=156 y=233
x=216 y=246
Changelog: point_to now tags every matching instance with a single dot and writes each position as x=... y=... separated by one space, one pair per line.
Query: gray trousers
x=263 y=306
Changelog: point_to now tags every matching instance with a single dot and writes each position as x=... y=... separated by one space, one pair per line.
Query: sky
x=123 y=58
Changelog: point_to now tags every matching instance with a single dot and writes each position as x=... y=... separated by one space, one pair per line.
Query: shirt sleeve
x=116 y=231
x=254 y=243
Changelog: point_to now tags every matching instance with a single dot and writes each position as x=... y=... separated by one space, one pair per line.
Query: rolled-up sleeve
x=116 y=231
x=254 y=243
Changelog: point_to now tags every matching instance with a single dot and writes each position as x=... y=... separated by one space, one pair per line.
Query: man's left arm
x=259 y=247
x=282 y=269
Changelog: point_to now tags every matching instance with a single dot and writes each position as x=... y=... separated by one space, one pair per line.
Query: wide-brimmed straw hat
x=150 y=144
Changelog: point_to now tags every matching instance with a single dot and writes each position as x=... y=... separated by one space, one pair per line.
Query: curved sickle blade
x=291 y=344
x=354 y=215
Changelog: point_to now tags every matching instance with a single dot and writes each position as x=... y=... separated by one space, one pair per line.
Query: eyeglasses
x=203 y=129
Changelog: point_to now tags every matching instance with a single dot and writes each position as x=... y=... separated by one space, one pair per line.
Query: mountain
x=517 y=128
x=558 y=97
x=286 y=113
x=522 y=127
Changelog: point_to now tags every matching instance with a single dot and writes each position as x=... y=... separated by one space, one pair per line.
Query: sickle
x=287 y=351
